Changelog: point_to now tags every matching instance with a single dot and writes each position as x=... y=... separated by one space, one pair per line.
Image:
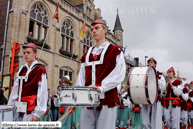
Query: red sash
x=189 y=105
x=61 y=109
x=31 y=103
x=175 y=101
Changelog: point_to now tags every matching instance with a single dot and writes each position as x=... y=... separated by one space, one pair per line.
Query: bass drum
x=142 y=85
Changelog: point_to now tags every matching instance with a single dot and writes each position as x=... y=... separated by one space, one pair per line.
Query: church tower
x=118 y=31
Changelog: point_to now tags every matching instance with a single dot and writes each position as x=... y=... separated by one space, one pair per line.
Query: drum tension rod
x=89 y=95
x=74 y=96
x=96 y=98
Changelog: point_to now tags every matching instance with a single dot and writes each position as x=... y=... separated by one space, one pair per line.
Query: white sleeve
x=185 y=96
x=131 y=106
x=126 y=102
x=191 y=98
x=177 y=90
x=161 y=83
x=42 y=97
x=56 y=104
x=116 y=76
x=119 y=88
x=14 y=93
x=81 y=76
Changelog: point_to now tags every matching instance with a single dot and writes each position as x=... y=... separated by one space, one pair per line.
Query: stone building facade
x=35 y=17
x=3 y=13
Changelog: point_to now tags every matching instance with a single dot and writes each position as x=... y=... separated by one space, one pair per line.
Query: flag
x=124 y=49
x=83 y=30
x=56 y=13
x=116 y=42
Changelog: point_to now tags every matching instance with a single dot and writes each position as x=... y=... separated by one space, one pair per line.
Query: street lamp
x=145 y=60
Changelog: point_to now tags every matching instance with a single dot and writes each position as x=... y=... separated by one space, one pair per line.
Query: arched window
x=88 y=8
x=38 y=25
x=87 y=42
x=67 y=36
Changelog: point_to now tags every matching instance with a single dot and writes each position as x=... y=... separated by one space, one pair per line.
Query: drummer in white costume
x=184 y=108
x=152 y=115
x=34 y=90
x=172 y=100
x=102 y=67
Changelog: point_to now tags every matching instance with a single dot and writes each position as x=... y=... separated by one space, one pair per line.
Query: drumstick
x=64 y=116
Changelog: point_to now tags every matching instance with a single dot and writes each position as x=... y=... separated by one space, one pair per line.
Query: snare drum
x=79 y=96
x=6 y=113
x=142 y=85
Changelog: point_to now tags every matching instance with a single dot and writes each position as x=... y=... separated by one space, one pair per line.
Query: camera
x=6 y=88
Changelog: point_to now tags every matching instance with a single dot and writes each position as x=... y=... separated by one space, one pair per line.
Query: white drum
x=6 y=113
x=142 y=85
x=79 y=96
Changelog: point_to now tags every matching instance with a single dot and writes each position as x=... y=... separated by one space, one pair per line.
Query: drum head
x=152 y=86
x=142 y=85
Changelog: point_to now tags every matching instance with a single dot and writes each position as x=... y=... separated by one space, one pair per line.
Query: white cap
x=67 y=77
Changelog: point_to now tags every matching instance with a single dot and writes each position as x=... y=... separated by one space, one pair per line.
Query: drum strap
x=94 y=63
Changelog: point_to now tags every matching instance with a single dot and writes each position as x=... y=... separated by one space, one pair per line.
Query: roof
x=117 y=24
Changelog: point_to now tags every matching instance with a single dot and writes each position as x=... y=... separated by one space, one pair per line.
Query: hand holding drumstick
x=71 y=109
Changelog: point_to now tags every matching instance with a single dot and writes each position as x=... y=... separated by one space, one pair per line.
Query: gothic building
x=30 y=20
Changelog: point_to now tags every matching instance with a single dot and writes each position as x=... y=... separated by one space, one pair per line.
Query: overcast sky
x=161 y=29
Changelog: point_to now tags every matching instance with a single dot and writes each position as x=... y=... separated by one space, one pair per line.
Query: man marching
x=172 y=101
x=152 y=115
x=184 y=107
x=29 y=93
x=102 y=67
